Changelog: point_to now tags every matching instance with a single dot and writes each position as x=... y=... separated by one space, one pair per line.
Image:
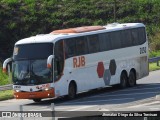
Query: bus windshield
x=30 y=64
x=32 y=51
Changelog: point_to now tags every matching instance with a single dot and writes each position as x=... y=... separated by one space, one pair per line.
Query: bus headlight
x=46 y=89
x=18 y=90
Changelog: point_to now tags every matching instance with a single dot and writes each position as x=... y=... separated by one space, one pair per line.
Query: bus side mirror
x=6 y=63
x=49 y=61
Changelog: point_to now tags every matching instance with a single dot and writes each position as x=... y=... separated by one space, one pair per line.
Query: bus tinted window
x=59 y=50
x=127 y=39
x=104 y=41
x=33 y=51
x=142 y=35
x=81 y=46
x=115 y=40
x=93 y=43
x=134 y=34
x=59 y=59
x=70 y=47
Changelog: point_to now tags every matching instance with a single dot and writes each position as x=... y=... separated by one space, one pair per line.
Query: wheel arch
x=123 y=82
x=73 y=82
x=134 y=71
x=124 y=72
x=72 y=89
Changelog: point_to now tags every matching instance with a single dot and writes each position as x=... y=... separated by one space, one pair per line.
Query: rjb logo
x=79 y=62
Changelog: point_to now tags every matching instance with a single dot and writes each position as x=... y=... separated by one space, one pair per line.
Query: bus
x=74 y=60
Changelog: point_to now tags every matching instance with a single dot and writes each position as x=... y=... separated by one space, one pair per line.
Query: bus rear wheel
x=132 y=79
x=123 y=80
x=37 y=100
x=72 y=91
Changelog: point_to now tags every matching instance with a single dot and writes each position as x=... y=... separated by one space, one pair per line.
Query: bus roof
x=78 y=31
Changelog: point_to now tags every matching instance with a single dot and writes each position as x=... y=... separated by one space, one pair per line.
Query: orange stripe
x=49 y=66
x=34 y=95
x=79 y=29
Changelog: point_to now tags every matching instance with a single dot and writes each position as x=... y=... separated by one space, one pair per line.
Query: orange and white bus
x=70 y=61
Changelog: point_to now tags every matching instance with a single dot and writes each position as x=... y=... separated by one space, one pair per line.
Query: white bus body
x=81 y=59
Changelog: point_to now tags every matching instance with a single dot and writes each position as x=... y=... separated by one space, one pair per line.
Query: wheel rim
x=72 y=91
x=132 y=79
x=123 y=80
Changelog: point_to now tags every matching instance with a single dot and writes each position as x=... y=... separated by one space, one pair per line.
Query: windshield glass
x=32 y=51
x=21 y=72
x=31 y=72
x=30 y=64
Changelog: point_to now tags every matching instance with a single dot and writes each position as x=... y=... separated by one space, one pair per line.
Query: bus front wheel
x=72 y=90
x=37 y=100
x=123 y=80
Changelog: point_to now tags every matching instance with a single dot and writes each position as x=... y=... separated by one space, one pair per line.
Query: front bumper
x=35 y=95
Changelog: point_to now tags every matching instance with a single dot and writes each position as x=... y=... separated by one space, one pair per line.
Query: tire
x=123 y=80
x=37 y=100
x=132 y=79
x=72 y=91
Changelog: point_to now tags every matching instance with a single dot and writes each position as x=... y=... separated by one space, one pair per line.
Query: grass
x=154 y=53
x=5 y=95
x=153 y=67
x=4 y=80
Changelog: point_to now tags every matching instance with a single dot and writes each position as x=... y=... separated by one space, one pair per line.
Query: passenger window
x=142 y=36
x=134 y=33
x=70 y=47
x=126 y=39
x=58 y=60
x=93 y=43
x=115 y=40
x=104 y=40
x=81 y=46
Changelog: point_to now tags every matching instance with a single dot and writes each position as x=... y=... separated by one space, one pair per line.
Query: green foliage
x=153 y=67
x=5 y=95
x=24 y=18
x=4 y=80
x=154 y=53
x=10 y=2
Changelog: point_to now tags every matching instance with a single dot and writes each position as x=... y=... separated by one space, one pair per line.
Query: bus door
x=58 y=60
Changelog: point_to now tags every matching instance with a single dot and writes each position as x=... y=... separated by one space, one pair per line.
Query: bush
x=24 y=18
x=4 y=79
x=154 y=53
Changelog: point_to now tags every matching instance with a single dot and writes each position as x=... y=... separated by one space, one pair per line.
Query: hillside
x=24 y=18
